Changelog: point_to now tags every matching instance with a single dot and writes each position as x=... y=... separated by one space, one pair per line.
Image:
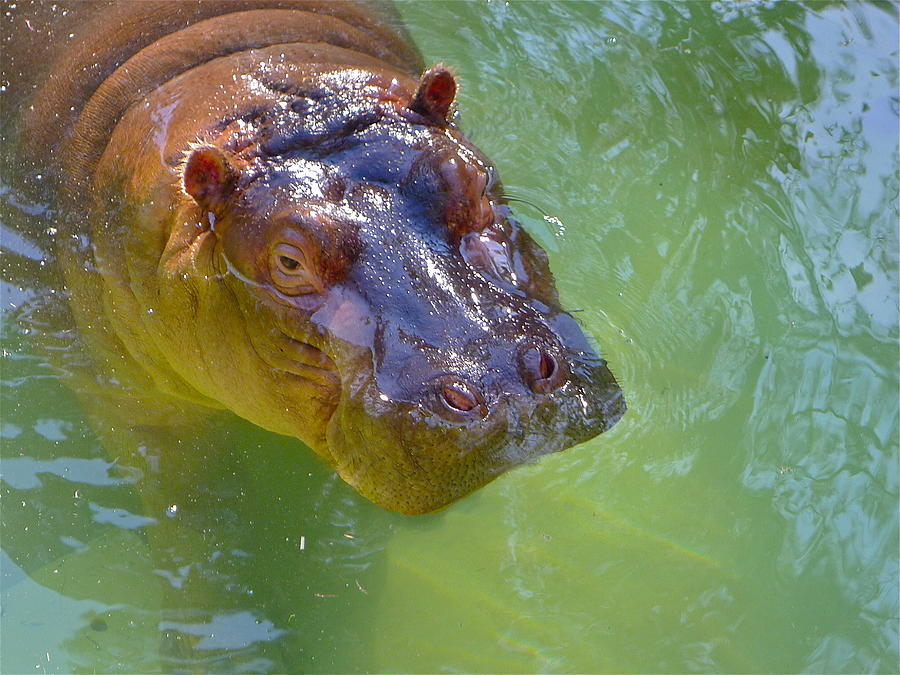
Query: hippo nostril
x=459 y=401
x=547 y=366
x=541 y=370
x=457 y=397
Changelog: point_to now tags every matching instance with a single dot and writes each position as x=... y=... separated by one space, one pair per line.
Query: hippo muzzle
x=419 y=451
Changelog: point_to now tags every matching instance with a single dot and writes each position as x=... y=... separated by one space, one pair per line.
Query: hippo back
x=73 y=68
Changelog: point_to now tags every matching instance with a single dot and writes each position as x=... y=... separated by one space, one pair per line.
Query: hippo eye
x=288 y=264
x=491 y=180
x=292 y=272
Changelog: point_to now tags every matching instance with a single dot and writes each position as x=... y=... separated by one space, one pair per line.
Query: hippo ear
x=435 y=95
x=209 y=176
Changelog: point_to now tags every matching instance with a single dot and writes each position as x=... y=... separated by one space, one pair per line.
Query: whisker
x=511 y=198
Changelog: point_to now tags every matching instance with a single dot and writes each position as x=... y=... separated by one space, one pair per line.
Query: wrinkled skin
x=300 y=233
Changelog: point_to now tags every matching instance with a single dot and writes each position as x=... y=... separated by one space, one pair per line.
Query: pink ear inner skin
x=435 y=95
x=207 y=176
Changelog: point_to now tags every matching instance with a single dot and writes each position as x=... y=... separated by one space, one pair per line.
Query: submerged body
x=263 y=207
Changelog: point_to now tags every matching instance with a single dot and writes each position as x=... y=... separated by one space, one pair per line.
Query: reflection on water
x=722 y=186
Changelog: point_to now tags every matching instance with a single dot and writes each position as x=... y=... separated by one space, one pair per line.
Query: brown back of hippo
x=56 y=55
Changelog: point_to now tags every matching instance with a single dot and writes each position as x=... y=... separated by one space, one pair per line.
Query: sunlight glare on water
x=716 y=185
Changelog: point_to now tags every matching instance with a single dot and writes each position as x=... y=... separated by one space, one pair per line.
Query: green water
x=721 y=181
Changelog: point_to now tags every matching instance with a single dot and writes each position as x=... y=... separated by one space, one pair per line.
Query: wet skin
x=300 y=233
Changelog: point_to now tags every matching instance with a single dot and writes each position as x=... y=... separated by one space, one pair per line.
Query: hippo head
x=356 y=224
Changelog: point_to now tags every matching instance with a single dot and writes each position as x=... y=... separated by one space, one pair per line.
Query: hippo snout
x=458 y=399
x=461 y=428
x=541 y=370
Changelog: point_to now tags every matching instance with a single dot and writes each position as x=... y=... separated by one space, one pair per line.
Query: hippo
x=268 y=207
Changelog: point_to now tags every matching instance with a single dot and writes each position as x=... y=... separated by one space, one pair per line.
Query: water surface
x=717 y=187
